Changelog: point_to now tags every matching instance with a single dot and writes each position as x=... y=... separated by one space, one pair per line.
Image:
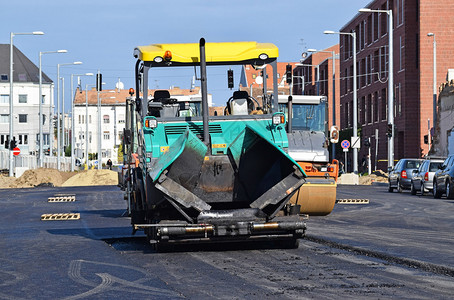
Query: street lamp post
x=333 y=53
x=390 y=82
x=72 y=118
x=355 y=98
x=434 y=122
x=86 y=123
x=58 y=109
x=11 y=82
x=40 y=155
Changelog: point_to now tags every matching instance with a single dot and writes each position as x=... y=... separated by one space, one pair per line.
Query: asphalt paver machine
x=202 y=177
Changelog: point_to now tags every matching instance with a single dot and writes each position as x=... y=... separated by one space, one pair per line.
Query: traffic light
x=7 y=143
x=288 y=73
x=13 y=143
x=230 y=78
x=367 y=142
x=426 y=139
x=99 y=82
x=389 y=131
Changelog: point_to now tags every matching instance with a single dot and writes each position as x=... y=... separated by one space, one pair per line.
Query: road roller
x=308 y=133
x=204 y=177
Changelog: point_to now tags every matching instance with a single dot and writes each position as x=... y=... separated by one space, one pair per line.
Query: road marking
x=60 y=217
x=352 y=201
x=71 y=198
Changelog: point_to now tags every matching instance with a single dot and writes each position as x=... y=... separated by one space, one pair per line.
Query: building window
x=384 y=104
x=369 y=29
x=384 y=21
x=376 y=65
x=4 y=99
x=376 y=33
x=362 y=111
x=369 y=109
x=4 y=77
x=4 y=119
x=89 y=119
x=89 y=136
x=23 y=139
x=106 y=135
x=22 y=98
x=106 y=119
x=401 y=46
x=22 y=118
x=375 y=99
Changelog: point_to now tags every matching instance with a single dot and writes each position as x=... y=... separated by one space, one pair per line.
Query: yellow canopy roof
x=215 y=52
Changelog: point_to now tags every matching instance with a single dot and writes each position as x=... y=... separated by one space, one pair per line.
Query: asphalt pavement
x=397 y=246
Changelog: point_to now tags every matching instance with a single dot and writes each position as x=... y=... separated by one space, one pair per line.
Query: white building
x=25 y=102
x=113 y=118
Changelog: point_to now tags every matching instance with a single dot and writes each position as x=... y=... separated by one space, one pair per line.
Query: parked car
x=443 y=182
x=422 y=179
x=400 y=176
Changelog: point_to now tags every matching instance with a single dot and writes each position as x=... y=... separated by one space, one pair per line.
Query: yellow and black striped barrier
x=352 y=201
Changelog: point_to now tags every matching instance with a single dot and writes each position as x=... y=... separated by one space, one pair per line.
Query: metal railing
x=31 y=161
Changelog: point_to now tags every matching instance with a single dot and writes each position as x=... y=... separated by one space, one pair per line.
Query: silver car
x=422 y=179
x=400 y=176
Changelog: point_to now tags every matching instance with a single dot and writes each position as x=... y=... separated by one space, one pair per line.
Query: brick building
x=413 y=72
x=314 y=76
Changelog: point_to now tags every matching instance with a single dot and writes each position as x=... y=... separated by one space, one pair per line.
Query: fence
x=31 y=161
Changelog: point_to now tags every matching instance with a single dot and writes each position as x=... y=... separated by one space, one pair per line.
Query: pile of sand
x=376 y=176
x=53 y=177
x=93 y=177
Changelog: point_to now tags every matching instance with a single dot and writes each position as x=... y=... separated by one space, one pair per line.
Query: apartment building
x=25 y=101
x=413 y=73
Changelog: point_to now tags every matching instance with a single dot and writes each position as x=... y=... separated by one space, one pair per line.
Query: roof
x=121 y=95
x=24 y=69
x=214 y=52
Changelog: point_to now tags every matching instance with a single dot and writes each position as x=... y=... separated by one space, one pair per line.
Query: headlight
x=278 y=119
x=151 y=123
x=158 y=59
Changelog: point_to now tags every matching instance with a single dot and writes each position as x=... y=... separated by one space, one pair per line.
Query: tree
x=120 y=153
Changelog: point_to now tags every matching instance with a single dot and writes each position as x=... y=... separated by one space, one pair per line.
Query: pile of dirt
x=53 y=177
x=93 y=177
x=376 y=176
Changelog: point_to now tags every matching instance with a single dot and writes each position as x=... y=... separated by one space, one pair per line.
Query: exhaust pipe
x=203 y=79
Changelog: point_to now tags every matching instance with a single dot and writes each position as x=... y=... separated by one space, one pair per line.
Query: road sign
x=356 y=142
x=16 y=151
x=345 y=144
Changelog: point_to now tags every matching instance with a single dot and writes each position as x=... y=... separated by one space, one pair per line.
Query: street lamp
x=86 y=123
x=72 y=118
x=63 y=109
x=41 y=157
x=11 y=82
x=355 y=98
x=333 y=53
x=435 y=83
x=390 y=82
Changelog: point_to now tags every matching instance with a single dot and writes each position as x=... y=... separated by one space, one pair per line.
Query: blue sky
x=103 y=34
